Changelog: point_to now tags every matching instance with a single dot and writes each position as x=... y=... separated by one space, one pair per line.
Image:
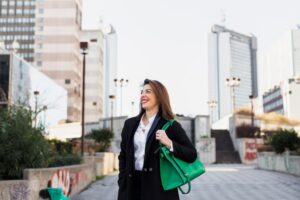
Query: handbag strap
x=189 y=189
x=168 y=124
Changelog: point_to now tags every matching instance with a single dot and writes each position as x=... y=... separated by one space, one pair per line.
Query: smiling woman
x=140 y=175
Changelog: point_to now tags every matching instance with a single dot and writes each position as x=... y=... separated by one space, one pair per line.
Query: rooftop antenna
x=101 y=22
x=223 y=18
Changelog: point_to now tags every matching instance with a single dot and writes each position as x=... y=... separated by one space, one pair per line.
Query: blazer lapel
x=154 y=124
x=151 y=134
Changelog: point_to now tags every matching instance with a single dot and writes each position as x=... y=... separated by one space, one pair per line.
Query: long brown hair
x=163 y=99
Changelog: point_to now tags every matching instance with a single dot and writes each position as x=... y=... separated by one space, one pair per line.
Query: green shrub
x=103 y=137
x=61 y=147
x=21 y=145
x=63 y=160
x=283 y=139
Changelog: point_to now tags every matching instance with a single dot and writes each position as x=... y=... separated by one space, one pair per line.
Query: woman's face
x=148 y=98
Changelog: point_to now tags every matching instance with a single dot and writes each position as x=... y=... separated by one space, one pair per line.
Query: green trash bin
x=57 y=194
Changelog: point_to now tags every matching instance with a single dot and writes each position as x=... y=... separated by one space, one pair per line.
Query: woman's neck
x=148 y=114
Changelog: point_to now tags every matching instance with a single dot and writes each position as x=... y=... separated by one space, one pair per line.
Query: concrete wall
x=17 y=189
x=247 y=148
x=202 y=127
x=206 y=148
x=279 y=162
x=105 y=162
x=72 y=179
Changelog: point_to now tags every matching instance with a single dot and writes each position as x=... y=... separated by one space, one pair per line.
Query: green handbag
x=175 y=172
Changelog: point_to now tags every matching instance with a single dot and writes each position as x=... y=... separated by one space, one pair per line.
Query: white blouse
x=140 y=139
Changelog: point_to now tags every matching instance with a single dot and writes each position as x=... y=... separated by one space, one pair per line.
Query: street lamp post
x=132 y=108
x=84 y=48
x=251 y=97
x=45 y=109
x=36 y=94
x=121 y=83
x=233 y=82
x=112 y=97
x=211 y=105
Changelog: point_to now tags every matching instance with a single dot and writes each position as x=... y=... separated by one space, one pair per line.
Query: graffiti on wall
x=19 y=192
x=206 y=146
x=250 y=150
x=66 y=181
x=61 y=179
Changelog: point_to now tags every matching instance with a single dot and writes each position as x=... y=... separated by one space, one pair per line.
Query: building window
x=94 y=40
x=11 y=11
x=40 y=45
x=40 y=28
x=38 y=55
x=39 y=63
x=11 y=3
x=19 y=11
x=67 y=81
x=39 y=37
x=26 y=3
x=4 y=3
x=4 y=11
x=19 y=3
x=41 y=10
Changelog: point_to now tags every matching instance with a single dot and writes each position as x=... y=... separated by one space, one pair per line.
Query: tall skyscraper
x=47 y=33
x=17 y=23
x=57 y=50
x=94 y=75
x=283 y=58
x=231 y=54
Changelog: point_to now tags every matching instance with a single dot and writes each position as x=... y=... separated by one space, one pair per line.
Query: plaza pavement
x=220 y=182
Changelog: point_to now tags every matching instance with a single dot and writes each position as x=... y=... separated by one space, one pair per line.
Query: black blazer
x=151 y=184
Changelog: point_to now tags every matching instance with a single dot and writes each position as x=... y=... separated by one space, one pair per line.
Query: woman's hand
x=163 y=138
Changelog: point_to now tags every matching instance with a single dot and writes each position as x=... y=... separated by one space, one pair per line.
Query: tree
x=103 y=137
x=284 y=139
x=22 y=145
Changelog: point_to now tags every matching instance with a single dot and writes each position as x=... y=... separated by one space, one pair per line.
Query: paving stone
x=221 y=181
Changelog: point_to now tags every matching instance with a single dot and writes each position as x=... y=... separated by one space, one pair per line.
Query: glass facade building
x=231 y=54
x=17 y=23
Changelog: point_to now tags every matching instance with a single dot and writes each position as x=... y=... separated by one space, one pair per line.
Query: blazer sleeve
x=182 y=146
x=122 y=155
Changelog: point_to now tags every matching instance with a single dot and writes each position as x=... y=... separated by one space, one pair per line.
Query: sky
x=166 y=40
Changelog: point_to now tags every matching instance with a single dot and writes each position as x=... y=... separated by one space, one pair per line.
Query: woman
x=139 y=177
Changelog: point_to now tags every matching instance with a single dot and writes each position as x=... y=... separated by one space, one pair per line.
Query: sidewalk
x=230 y=182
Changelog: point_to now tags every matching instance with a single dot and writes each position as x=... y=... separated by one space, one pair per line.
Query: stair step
x=225 y=152
x=227 y=157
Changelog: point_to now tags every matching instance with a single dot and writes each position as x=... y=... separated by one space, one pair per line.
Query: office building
x=22 y=84
x=231 y=54
x=284 y=99
x=283 y=58
x=94 y=75
x=17 y=23
x=47 y=33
